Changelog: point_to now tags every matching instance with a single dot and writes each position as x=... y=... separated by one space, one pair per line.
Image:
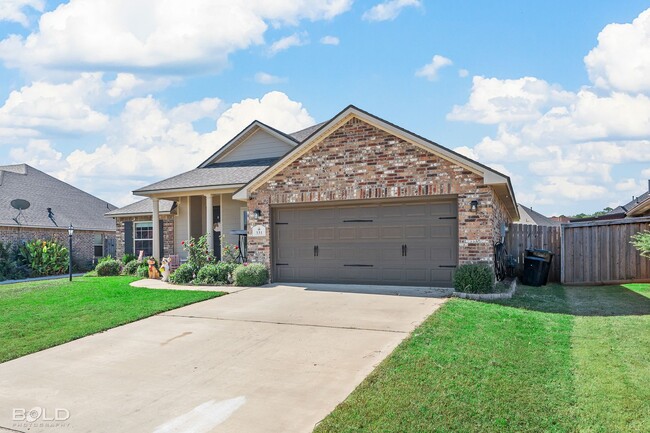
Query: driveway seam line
x=352 y=328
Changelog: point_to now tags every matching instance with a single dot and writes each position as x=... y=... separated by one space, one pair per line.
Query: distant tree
x=641 y=242
x=593 y=215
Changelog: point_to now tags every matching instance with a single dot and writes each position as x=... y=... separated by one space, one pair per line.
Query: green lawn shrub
x=108 y=268
x=253 y=274
x=474 y=278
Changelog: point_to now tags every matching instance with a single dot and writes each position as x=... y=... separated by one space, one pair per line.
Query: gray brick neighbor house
x=53 y=206
x=355 y=199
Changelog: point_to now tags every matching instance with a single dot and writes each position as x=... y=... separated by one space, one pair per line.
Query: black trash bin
x=545 y=267
x=533 y=271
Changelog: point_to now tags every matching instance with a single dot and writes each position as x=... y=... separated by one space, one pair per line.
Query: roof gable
x=490 y=176
x=257 y=140
x=68 y=204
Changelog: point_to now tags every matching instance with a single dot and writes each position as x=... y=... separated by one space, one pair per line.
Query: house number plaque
x=258 y=231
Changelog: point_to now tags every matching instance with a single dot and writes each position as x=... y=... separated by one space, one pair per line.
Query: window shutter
x=128 y=237
x=162 y=239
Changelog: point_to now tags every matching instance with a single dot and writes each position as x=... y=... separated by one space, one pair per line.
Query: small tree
x=641 y=242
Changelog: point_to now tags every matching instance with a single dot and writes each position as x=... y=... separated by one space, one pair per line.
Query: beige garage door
x=414 y=243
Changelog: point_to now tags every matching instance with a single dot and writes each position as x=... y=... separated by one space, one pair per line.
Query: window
x=143 y=238
x=244 y=218
x=98 y=245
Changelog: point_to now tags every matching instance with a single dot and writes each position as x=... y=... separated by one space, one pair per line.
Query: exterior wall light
x=473 y=206
x=257 y=213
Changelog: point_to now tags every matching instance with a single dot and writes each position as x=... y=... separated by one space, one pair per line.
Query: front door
x=216 y=234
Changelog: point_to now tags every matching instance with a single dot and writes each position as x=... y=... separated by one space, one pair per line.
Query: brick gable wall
x=359 y=161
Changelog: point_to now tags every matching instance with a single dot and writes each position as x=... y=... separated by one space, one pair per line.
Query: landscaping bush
x=131 y=267
x=128 y=258
x=104 y=259
x=143 y=270
x=474 y=278
x=44 y=257
x=108 y=268
x=9 y=268
x=221 y=273
x=183 y=275
x=198 y=253
x=254 y=274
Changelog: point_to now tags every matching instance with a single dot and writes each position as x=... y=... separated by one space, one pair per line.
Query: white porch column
x=156 y=229
x=209 y=221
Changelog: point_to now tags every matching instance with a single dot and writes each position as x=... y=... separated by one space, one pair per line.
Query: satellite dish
x=20 y=204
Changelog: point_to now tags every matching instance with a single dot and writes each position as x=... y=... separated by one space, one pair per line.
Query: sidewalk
x=51 y=277
x=158 y=284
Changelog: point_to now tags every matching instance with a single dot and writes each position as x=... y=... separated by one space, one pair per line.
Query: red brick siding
x=168 y=233
x=360 y=161
x=83 y=241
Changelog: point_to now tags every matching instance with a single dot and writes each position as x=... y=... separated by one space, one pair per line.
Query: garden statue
x=153 y=272
x=165 y=268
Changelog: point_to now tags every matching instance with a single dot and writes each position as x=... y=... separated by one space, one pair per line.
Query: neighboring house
x=638 y=207
x=53 y=206
x=355 y=199
x=529 y=216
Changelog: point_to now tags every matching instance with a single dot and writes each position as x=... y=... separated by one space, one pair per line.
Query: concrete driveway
x=270 y=359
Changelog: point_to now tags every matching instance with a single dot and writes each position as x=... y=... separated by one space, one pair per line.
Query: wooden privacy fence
x=521 y=237
x=599 y=252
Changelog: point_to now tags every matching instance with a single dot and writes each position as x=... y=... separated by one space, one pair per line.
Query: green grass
x=41 y=314
x=552 y=359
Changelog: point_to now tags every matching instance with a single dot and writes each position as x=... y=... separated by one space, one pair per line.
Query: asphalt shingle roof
x=144 y=206
x=223 y=173
x=42 y=191
x=304 y=133
x=529 y=216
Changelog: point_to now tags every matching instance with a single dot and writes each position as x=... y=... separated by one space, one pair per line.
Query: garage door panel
x=442 y=231
x=392 y=232
x=365 y=244
x=420 y=210
x=441 y=277
x=325 y=234
x=416 y=232
x=368 y=233
x=347 y=233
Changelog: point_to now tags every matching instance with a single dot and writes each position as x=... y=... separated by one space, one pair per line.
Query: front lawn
x=41 y=314
x=551 y=359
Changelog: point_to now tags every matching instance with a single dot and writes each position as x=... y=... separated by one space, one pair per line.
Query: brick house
x=355 y=199
x=53 y=206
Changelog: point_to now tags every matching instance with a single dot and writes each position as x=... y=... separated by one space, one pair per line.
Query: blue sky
x=106 y=94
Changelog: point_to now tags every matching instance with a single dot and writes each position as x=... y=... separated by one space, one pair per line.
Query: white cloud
x=294 y=40
x=146 y=139
x=621 y=60
x=493 y=101
x=264 y=78
x=389 y=10
x=60 y=107
x=462 y=73
x=430 y=70
x=126 y=85
x=159 y=36
x=573 y=143
x=329 y=40
x=570 y=187
x=37 y=153
x=12 y=10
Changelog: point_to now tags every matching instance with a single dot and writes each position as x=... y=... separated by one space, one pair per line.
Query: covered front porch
x=195 y=214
